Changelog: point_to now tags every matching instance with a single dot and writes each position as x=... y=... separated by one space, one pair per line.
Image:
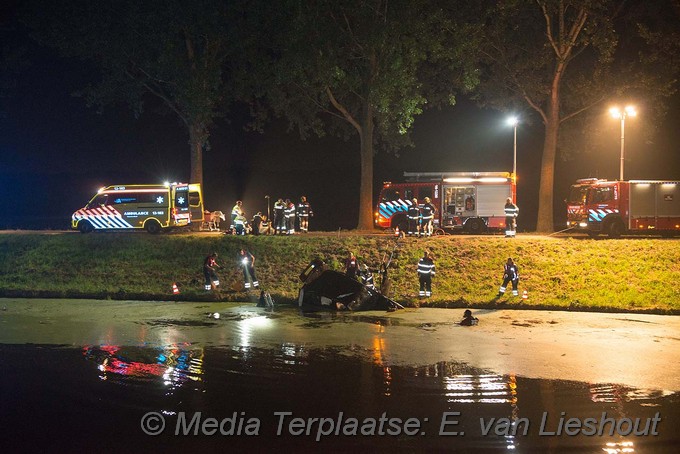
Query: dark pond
x=102 y=398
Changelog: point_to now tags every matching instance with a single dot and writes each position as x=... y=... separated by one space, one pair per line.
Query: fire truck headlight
x=583 y=224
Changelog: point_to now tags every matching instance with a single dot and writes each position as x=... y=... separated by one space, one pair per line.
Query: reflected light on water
x=174 y=365
x=615 y=448
x=248 y=327
x=487 y=389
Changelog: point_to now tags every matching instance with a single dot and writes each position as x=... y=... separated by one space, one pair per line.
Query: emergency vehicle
x=471 y=202
x=150 y=207
x=624 y=207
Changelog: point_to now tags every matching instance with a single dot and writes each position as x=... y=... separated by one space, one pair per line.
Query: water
x=244 y=390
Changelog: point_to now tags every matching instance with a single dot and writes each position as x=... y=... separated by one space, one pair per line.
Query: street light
x=512 y=121
x=628 y=111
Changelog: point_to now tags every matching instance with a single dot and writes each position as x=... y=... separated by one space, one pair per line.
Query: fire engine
x=150 y=207
x=624 y=207
x=472 y=202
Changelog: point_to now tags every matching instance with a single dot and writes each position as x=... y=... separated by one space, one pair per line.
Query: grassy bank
x=583 y=274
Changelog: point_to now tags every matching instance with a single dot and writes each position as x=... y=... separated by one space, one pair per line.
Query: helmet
x=427 y=200
x=415 y=200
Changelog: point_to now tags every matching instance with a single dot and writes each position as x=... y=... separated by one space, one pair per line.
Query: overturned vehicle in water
x=328 y=289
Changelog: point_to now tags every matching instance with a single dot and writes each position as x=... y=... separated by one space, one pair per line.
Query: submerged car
x=328 y=289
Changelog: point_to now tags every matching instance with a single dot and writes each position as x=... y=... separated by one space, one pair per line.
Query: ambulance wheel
x=153 y=227
x=85 y=227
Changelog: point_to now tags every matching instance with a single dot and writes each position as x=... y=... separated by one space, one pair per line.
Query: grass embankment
x=583 y=274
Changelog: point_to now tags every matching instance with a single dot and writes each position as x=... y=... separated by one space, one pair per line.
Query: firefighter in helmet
x=427 y=213
x=247 y=264
x=304 y=212
x=279 y=217
x=413 y=214
x=511 y=212
x=366 y=277
x=209 y=272
x=289 y=214
x=425 y=275
x=510 y=274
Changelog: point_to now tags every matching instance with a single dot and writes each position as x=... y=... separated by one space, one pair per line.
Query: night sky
x=55 y=152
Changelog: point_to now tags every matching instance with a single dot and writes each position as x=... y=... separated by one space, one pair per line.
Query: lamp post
x=628 y=111
x=512 y=121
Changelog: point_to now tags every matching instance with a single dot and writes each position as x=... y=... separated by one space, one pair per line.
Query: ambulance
x=153 y=208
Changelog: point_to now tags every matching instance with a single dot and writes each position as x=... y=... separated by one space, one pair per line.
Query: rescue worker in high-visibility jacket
x=366 y=277
x=247 y=263
x=290 y=217
x=240 y=223
x=304 y=212
x=425 y=275
x=511 y=213
x=413 y=215
x=236 y=211
x=427 y=218
x=209 y=272
x=279 y=217
x=510 y=274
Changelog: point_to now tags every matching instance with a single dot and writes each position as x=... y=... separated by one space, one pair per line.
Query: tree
x=561 y=58
x=361 y=68
x=169 y=50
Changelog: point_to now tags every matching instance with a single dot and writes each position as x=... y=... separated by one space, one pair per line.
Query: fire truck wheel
x=474 y=226
x=439 y=232
x=153 y=227
x=85 y=227
x=615 y=229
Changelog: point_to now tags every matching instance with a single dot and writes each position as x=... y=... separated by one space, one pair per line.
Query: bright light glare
x=512 y=121
x=628 y=111
x=480 y=180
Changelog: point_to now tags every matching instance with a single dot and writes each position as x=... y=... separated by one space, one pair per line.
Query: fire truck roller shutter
x=491 y=199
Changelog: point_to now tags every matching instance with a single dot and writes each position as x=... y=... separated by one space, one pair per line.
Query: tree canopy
x=562 y=58
x=176 y=52
x=361 y=68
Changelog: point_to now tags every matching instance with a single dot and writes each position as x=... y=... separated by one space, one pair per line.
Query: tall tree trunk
x=545 y=194
x=366 y=187
x=197 y=139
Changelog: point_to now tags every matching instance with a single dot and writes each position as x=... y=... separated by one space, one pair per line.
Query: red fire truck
x=624 y=207
x=472 y=202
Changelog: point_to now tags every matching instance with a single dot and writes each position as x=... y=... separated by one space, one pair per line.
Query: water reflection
x=174 y=365
x=113 y=386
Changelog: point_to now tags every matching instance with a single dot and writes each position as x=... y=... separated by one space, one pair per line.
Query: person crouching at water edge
x=209 y=267
x=425 y=275
x=510 y=274
x=247 y=263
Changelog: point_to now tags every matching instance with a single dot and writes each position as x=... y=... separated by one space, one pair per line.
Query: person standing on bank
x=236 y=211
x=427 y=212
x=510 y=274
x=304 y=212
x=279 y=217
x=511 y=213
x=413 y=214
x=351 y=266
x=257 y=222
x=290 y=217
x=209 y=267
x=247 y=262
x=425 y=275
